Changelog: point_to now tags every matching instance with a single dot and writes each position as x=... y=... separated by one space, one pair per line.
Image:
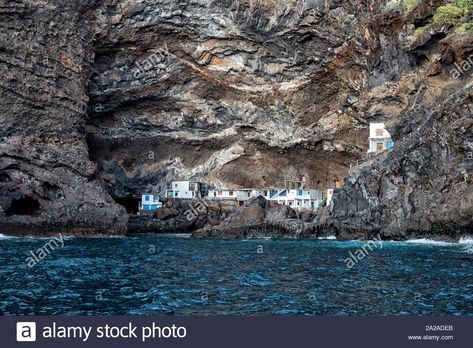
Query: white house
x=380 y=139
x=150 y=203
x=245 y=194
x=223 y=194
x=298 y=199
x=184 y=189
x=329 y=196
x=239 y=195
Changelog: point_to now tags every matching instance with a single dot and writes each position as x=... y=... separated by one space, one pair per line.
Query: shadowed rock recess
x=47 y=182
x=105 y=100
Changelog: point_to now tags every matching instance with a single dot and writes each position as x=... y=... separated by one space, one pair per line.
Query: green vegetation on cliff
x=458 y=13
x=405 y=6
x=410 y=5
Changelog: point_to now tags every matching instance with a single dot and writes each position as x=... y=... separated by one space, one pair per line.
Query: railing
x=367 y=158
x=276 y=194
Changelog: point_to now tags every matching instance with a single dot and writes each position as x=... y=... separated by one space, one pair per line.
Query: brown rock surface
x=47 y=182
x=257 y=218
x=106 y=100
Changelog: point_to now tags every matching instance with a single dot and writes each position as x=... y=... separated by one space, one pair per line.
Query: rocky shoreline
x=225 y=219
x=257 y=218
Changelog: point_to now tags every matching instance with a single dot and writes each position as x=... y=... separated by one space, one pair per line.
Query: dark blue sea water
x=151 y=275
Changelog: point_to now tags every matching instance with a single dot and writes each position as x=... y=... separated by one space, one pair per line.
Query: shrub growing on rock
x=449 y=15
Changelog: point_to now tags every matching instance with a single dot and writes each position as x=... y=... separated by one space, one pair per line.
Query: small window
x=175 y=185
x=146 y=207
x=379 y=132
x=147 y=198
x=176 y=194
x=231 y=193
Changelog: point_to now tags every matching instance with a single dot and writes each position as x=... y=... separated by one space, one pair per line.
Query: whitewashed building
x=329 y=196
x=379 y=139
x=149 y=203
x=238 y=195
x=222 y=194
x=245 y=194
x=297 y=199
x=184 y=189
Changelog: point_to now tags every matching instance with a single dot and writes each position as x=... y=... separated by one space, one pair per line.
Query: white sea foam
x=469 y=249
x=467 y=244
x=2 y=236
x=466 y=240
x=174 y=235
x=428 y=241
x=328 y=238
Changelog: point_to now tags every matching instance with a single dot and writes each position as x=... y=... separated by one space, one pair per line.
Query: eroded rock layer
x=47 y=182
x=421 y=188
x=234 y=93
x=105 y=100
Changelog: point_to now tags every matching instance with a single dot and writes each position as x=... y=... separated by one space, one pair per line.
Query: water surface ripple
x=153 y=275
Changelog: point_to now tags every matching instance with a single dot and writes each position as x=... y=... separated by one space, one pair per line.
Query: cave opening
x=131 y=204
x=4 y=177
x=24 y=206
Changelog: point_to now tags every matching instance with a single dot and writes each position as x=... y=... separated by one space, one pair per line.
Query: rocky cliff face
x=235 y=93
x=423 y=187
x=105 y=100
x=47 y=181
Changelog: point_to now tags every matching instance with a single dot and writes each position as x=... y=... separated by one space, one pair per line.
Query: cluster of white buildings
x=294 y=194
x=298 y=198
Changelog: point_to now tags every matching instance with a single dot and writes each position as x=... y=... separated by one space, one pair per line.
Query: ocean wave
x=466 y=240
x=2 y=236
x=469 y=249
x=467 y=244
x=428 y=241
x=328 y=238
x=174 y=235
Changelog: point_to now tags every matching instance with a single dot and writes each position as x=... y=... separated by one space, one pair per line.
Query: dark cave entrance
x=24 y=206
x=130 y=204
